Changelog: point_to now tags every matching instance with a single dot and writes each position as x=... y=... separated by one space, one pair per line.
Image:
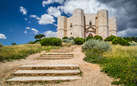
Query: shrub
x=37 y=41
x=98 y=37
x=51 y=42
x=68 y=41
x=71 y=38
x=79 y=41
x=1 y=45
x=132 y=44
x=30 y=42
x=65 y=37
x=128 y=39
x=110 y=38
x=13 y=43
x=121 y=41
x=89 y=37
x=97 y=46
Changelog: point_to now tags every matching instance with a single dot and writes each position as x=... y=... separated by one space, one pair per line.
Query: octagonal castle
x=84 y=25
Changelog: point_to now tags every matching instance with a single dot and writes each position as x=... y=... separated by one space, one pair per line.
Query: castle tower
x=102 y=26
x=113 y=26
x=62 y=27
x=78 y=23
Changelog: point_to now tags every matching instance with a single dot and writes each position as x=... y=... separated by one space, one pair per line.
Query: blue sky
x=21 y=20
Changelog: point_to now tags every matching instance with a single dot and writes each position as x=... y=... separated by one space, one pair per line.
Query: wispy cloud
x=23 y=10
x=34 y=30
x=51 y=2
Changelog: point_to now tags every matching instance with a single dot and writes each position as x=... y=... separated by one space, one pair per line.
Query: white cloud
x=26 y=19
x=51 y=2
x=54 y=11
x=34 y=30
x=25 y=31
x=50 y=34
x=27 y=28
x=23 y=10
x=89 y=6
x=35 y=16
x=46 y=19
x=2 y=36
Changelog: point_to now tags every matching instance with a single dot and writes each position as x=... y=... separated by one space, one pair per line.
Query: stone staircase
x=56 y=56
x=38 y=73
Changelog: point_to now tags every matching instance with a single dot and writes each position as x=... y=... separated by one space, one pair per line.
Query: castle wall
x=69 y=28
x=62 y=27
x=102 y=16
x=112 y=26
x=78 y=23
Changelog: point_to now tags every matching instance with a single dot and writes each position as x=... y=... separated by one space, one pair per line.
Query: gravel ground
x=91 y=75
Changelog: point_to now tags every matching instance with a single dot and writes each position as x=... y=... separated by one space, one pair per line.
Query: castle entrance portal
x=90 y=35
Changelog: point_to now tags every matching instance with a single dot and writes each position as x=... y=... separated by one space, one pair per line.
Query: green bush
x=65 y=37
x=132 y=44
x=89 y=37
x=96 y=46
x=68 y=41
x=71 y=38
x=98 y=37
x=79 y=41
x=110 y=38
x=121 y=41
x=51 y=41
x=128 y=39
x=1 y=45
x=30 y=42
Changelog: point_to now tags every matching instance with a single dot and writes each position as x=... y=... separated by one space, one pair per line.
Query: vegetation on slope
x=22 y=51
x=120 y=63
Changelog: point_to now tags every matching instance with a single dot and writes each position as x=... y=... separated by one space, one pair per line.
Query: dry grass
x=21 y=51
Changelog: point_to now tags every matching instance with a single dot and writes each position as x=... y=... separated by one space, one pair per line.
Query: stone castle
x=84 y=25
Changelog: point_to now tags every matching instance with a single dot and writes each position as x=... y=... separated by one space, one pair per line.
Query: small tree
x=39 y=36
x=13 y=43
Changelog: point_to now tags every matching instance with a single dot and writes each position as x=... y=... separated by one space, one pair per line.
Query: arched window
x=96 y=18
x=71 y=25
x=71 y=33
x=90 y=23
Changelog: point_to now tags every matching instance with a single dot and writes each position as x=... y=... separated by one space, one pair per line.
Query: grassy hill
x=21 y=51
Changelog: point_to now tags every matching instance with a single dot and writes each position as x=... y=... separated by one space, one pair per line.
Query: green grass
x=21 y=51
x=120 y=63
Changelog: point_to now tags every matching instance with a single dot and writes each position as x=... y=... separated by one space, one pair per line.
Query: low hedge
x=51 y=41
x=121 y=41
x=79 y=41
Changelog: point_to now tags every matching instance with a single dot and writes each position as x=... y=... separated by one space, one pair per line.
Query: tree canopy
x=39 y=36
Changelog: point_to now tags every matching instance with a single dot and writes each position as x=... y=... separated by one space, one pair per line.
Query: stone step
x=43 y=78
x=54 y=58
x=49 y=67
x=46 y=72
x=59 y=53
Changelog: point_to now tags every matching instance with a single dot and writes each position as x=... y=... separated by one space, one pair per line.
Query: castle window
x=71 y=33
x=90 y=23
x=71 y=25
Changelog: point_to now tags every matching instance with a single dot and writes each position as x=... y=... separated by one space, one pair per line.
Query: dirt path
x=91 y=75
